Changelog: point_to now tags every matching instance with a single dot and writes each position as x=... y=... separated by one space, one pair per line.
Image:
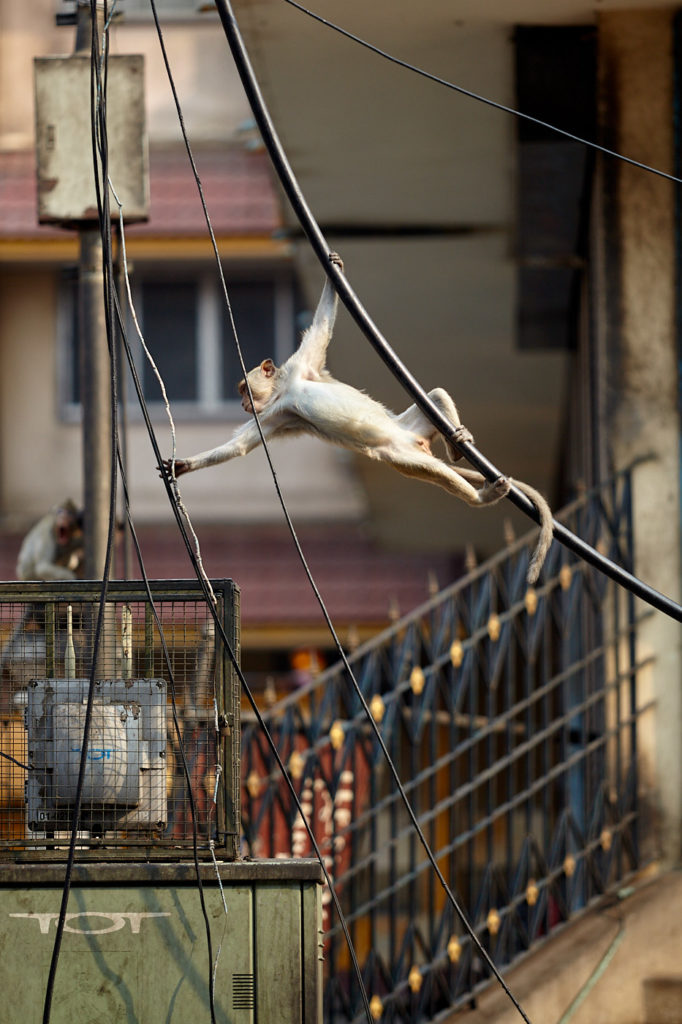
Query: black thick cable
x=381 y=345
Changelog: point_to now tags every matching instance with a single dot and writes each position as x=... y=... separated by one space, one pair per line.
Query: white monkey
x=301 y=396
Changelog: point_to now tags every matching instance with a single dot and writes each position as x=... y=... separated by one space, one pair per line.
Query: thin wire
x=460 y=912
x=473 y=935
x=212 y=237
x=176 y=722
x=162 y=385
x=98 y=126
x=594 y=977
x=180 y=513
x=8 y=757
x=409 y=382
x=208 y=591
x=98 y=94
x=233 y=658
x=480 y=98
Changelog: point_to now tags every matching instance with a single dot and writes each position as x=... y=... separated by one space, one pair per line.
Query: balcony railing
x=511 y=715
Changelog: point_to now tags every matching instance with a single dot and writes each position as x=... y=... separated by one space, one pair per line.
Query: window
x=188 y=331
x=556 y=83
x=140 y=9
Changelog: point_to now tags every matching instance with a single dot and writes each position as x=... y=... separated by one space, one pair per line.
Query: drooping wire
x=409 y=382
x=184 y=524
x=480 y=98
x=100 y=149
x=176 y=725
x=233 y=658
x=98 y=124
x=13 y=760
x=171 y=486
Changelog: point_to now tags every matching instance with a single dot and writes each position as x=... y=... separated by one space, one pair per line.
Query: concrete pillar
x=638 y=342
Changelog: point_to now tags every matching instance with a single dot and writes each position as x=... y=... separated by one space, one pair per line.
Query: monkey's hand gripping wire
x=381 y=345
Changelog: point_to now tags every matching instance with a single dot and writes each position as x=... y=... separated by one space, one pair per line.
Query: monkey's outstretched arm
x=244 y=440
x=312 y=352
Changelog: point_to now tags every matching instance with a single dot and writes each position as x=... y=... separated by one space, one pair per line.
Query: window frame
x=178 y=10
x=210 y=403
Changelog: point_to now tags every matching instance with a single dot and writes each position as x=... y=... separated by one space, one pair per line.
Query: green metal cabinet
x=134 y=948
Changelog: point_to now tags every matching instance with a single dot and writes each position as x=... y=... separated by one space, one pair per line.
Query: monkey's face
x=262 y=384
x=68 y=527
x=68 y=535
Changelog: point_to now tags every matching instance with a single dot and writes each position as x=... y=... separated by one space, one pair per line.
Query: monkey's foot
x=336 y=259
x=464 y=436
x=495 y=491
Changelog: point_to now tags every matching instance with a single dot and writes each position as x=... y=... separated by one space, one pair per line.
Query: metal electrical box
x=66 y=182
x=134 y=946
x=125 y=780
x=162 y=765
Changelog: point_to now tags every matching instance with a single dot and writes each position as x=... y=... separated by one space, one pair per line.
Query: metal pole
x=126 y=546
x=95 y=401
x=94 y=367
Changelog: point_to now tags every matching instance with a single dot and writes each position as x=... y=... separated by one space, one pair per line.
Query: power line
x=479 y=97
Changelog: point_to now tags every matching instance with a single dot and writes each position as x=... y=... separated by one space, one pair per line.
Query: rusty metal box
x=64 y=147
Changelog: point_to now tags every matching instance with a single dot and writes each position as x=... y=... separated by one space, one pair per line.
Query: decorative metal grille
x=511 y=715
x=165 y=693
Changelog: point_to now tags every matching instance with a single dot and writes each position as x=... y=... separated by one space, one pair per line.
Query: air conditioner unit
x=125 y=775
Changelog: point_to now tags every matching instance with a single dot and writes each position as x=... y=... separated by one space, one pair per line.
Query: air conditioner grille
x=242 y=991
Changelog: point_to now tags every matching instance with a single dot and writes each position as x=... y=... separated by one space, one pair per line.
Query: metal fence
x=511 y=715
x=166 y=705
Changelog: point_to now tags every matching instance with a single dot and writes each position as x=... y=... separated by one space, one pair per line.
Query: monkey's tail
x=546 y=530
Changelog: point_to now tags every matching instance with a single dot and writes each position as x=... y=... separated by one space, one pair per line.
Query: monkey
x=301 y=396
x=53 y=548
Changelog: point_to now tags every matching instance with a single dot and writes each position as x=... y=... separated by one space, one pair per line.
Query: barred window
x=188 y=331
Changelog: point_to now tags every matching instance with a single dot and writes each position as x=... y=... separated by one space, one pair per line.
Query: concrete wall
x=40 y=461
x=639 y=362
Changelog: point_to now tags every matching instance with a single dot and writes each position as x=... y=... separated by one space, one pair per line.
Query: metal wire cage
x=163 y=755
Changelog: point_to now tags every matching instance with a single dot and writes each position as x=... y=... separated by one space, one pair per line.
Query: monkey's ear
x=268 y=368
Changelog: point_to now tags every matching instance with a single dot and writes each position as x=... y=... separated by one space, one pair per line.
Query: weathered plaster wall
x=639 y=357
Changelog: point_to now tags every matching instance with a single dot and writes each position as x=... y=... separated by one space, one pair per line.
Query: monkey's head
x=262 y=381
x=68 y=535
x=68 y=523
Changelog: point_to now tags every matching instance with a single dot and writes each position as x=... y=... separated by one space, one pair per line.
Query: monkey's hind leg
x=414 y=419
x=423 y=466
